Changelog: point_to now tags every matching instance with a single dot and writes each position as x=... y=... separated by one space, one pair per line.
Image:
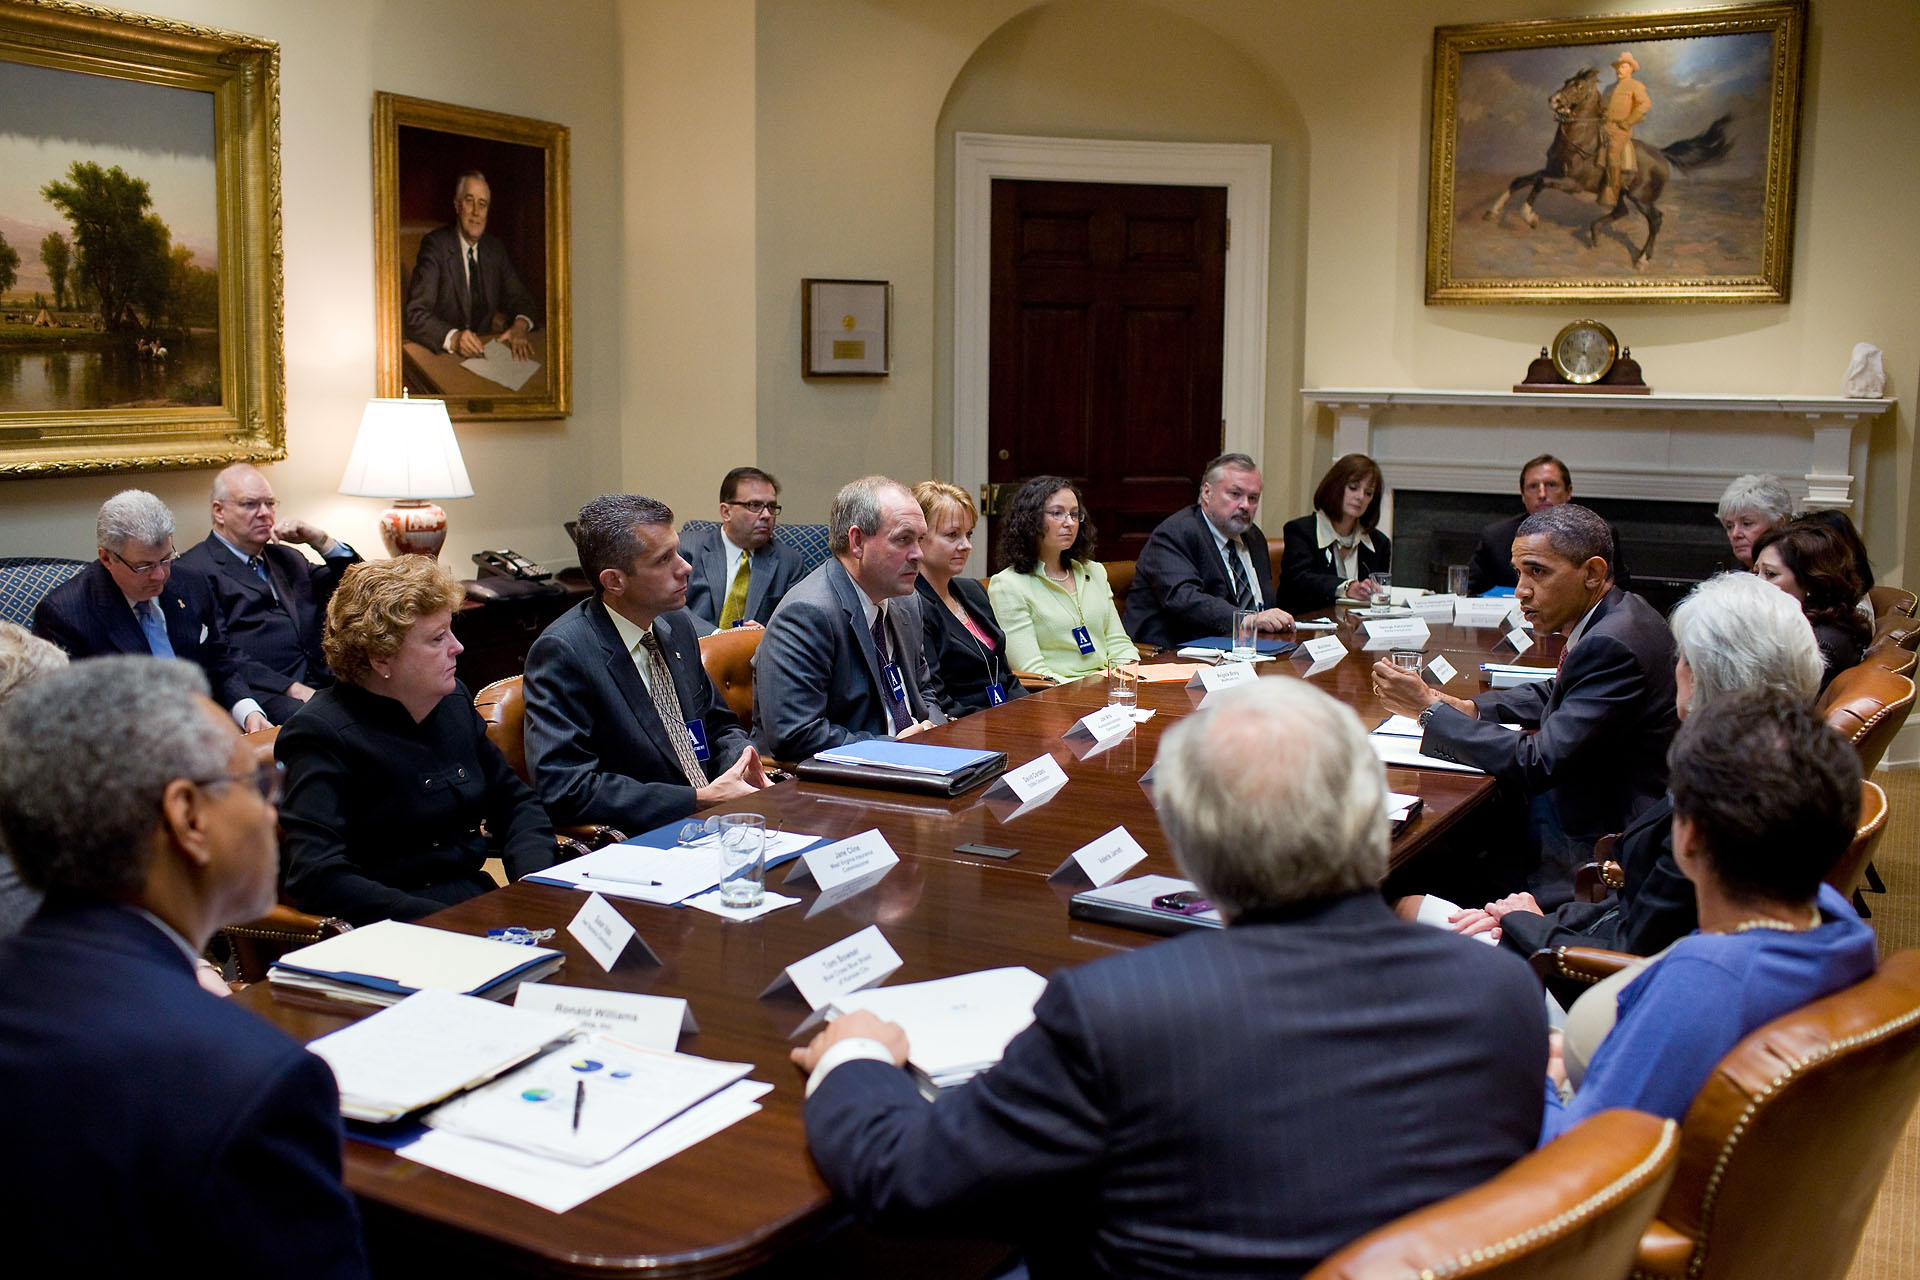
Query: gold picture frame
x=1704 y=215
x=175 y=128
x=422 y=152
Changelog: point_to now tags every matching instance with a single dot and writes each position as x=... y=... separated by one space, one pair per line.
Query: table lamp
x=406 y=451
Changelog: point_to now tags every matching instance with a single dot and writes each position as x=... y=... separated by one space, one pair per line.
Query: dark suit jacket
x=1181 y=588
x=88 y=617
x=1605 y=721
x=437 y=293
x=1492 y=563
x=816 y=678
x=965 y=667
x=775 y=568
x=596 y=746
x=1308 y=576
x=382 y=816
x=283 y=634
x=1237 y=1102
x=1654 y=908
x=152 y=1121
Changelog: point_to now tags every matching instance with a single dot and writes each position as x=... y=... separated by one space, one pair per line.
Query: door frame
x=1244 y=169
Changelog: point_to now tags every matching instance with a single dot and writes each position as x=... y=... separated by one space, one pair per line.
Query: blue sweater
x=1691 y=1007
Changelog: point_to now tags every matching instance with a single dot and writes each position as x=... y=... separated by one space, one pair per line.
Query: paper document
x=1405 y=752
x=1437 y=911
x=914 y=757
x=428 y=1047
x=385 y=962
x=497 y=364
x=956 y=1027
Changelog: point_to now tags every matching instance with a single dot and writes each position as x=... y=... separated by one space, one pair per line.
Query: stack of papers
x=956 y=1027
x=587 y=1102
x=664 y=876
x=386 y=962
x=429 y=1047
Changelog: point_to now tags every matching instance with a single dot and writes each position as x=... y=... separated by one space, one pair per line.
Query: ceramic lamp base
x=413 y=526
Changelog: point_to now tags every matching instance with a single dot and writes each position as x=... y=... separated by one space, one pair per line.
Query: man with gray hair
x=132 y=600
x=163 y=1123
x=1244 y=1100
x=842 y=658
x=624 y=726
x=1599 y=756
x=1203 y=563
x=1751 y=505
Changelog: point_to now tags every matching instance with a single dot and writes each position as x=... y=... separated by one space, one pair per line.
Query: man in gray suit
x=623 y=725
x=842 y=658
x=741 y=572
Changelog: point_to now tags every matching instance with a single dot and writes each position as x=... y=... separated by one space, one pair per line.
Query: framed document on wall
x=846 y=328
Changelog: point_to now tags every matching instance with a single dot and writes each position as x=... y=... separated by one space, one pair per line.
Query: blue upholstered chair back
x=26 y=580
x=810 y=540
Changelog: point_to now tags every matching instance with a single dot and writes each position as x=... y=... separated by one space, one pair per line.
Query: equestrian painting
x=1619 y=159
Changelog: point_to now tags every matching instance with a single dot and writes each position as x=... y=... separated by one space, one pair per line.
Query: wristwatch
x=1426 y=712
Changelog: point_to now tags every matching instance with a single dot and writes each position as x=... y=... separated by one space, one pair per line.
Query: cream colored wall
x=333 y=56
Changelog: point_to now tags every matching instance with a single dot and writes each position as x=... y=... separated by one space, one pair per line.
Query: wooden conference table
x=750 y=1195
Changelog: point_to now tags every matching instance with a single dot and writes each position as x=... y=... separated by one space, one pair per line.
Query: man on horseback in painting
x=1627 y=106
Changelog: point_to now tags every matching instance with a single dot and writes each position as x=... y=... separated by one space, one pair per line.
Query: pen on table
x=579 y=1099
x=601 y=875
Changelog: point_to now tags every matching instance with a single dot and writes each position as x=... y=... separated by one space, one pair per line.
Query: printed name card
x=1038 y=777
x=1488 y=611
x=1433 y=606
x=1439 y=670
x=652 y=1022
x=1104 y=724
x=604 y=933
x=835 y=864
x=1225 y=676
x=1325 y=649
x=1104 y=860
x=858 y=960
x=1519 y=639
x=1396 y=633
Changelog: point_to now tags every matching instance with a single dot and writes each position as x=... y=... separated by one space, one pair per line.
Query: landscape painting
x=1624 y=159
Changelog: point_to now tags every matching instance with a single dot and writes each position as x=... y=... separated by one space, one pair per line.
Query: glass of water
x=1382 y=586
x=1457 y=580
x=743 y=852
x=1246 y=635
x=1405 y=659
x=1123 y=688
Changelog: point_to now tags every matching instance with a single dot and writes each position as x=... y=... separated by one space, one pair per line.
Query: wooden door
x=1107 y=314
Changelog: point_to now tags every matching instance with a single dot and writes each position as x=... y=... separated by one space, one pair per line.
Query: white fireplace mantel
x=1681 y=447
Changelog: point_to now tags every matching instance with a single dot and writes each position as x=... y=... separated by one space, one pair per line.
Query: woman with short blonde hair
x=963 y=640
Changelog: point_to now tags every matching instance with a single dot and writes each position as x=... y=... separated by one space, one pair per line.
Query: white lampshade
x=406 y=449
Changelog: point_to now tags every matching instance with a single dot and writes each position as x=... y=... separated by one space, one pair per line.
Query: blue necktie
x=155 y=628
x=259 y=566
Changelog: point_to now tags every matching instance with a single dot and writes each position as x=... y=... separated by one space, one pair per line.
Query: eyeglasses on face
x=255 y=504
x=269 y=778
x=758 y=507
x=142 y=570
x=1063 y=513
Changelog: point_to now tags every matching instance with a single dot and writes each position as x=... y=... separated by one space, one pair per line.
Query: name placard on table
x=1396 y=633
x=605 y=934
x=858 y=960
x=1487 y=611
x=1102 y=861
x=1104 y=725
x=651 y=1022
x=1227 y=675
x=851 y=859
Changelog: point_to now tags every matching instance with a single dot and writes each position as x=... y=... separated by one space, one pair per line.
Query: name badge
x=895 y=683
x=698 y=732
x=1082 y=638
x=995 y=695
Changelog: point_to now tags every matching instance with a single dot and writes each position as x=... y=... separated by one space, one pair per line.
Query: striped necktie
x=666 y=700
x=1242 y=589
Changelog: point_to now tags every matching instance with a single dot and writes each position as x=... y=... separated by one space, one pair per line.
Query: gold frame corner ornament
x=393 y=111
x=242 y=72
x=1785 y=21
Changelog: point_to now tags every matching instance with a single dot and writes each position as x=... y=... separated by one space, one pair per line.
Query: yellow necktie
x=735 y=606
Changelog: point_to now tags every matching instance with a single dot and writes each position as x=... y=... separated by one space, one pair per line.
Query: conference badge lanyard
x=995 y=694
x=698 y=732
x=1082 y=637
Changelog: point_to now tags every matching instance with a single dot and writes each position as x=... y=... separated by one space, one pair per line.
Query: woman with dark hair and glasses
x=1334 y=551
x=395 y=795
x=1052 y=598
x=1814 y=565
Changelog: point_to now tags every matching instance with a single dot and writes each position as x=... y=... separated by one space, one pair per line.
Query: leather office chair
x=1888 y=600
x=1120 y=581
x=1849 y=873
x=504 y=708
x=727 y=657
x=1889 y=656
x=1894 y=628
x=1576 y=1208
x=1868 y=706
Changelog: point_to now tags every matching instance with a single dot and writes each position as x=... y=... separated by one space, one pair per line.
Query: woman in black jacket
x=1333 y=551
x=964 y=643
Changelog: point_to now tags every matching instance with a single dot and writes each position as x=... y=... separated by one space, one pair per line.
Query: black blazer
x=1309 y=576
x=596 y=746
x=195 y=1128
x=1102 y=1141
x=382 y=816
x=437 y=293
x=1181 y=589
x=1653 y=909
x=964 y=666
x=88 y=617
x=281 y=635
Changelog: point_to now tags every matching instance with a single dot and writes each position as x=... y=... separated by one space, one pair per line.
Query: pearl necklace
x=1782 y=926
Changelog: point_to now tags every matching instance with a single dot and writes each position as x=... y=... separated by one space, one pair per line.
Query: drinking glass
x=1123 y=688
x=743 y=852
x=1457 y=580
x=1405 y=659
x=1382 y=586
x=1246 y=636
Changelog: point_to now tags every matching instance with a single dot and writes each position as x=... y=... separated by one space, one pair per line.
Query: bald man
x=271 y=597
